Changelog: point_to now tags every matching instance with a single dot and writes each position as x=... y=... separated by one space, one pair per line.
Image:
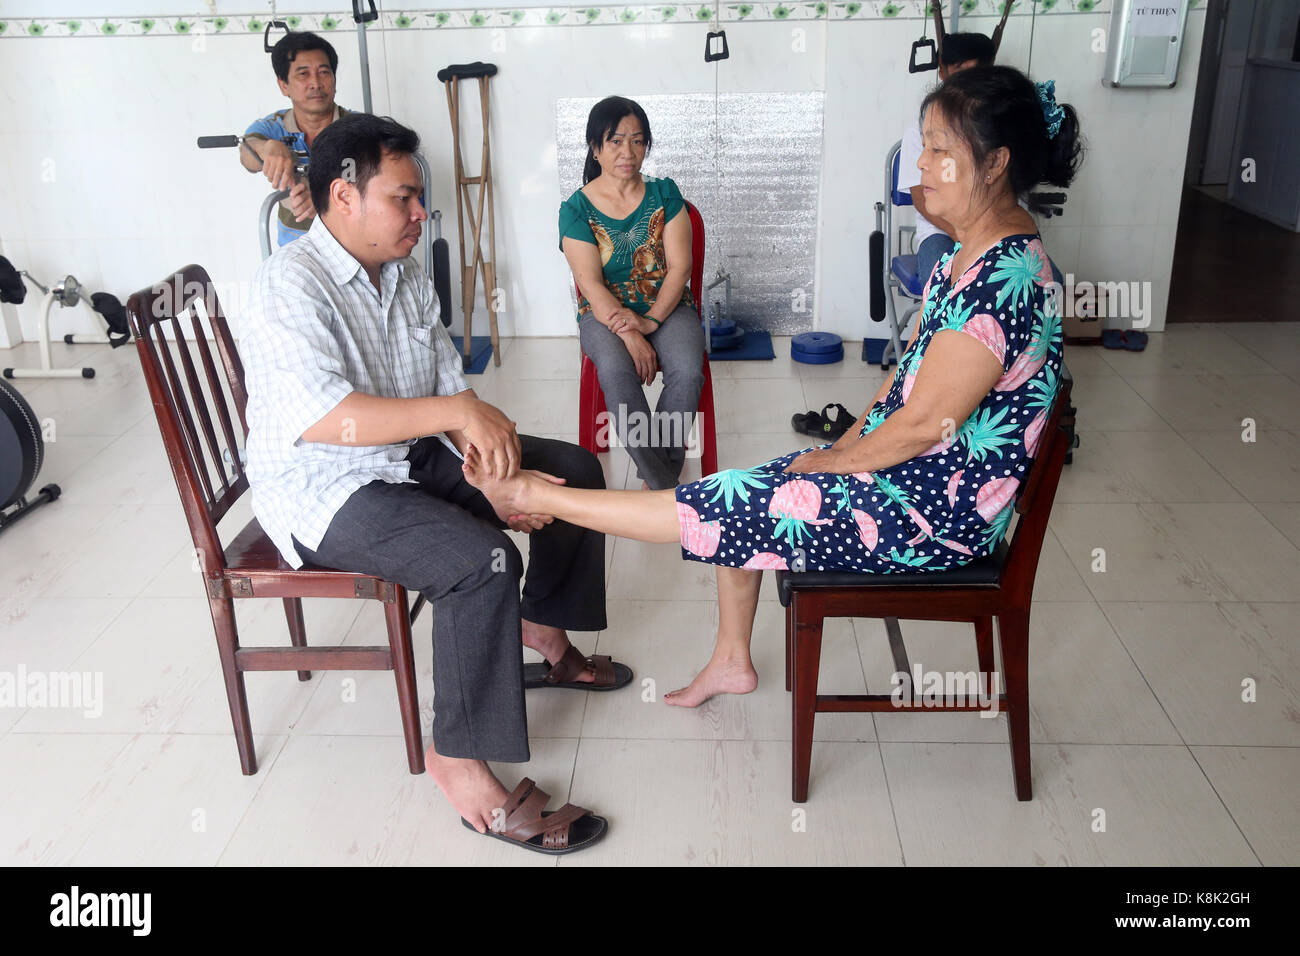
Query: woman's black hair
x=603 y=121
x=989 y=107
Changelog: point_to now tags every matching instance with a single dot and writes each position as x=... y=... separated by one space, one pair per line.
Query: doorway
x=1237 y=253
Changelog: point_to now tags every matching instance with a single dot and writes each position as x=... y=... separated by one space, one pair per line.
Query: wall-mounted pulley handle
x=715 y=46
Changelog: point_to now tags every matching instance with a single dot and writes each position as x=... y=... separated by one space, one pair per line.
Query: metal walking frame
x=889 y=281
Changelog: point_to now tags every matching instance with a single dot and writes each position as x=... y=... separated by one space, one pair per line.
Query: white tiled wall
x=132 y=198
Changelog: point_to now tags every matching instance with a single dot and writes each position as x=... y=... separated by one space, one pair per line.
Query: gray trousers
x=441 y=537
x=679 y=344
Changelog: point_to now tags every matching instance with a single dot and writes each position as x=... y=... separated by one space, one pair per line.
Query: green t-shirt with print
x=632 y=249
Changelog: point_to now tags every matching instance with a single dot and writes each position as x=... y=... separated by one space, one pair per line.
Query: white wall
x=132 y=198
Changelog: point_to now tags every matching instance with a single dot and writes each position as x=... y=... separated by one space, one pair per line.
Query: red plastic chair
x=591 y=399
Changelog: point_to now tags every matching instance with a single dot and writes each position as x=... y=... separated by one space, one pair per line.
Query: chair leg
x=807 y=658
x=223 y=622
x=587 y=406
x=984 y=648
x=408 y=698
x=708 y=430
x=600 y=437
x=1013 y=636
x=297 y=628
x=789 y=644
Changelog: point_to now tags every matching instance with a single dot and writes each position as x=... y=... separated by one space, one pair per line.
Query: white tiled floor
x=1165 y=689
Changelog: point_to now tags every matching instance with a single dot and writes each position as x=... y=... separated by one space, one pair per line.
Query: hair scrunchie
x=1053 y=112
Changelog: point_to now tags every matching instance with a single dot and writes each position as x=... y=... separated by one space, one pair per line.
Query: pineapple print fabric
x=631 y=249
x=944 y=508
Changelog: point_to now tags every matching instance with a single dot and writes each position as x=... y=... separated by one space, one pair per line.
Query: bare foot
x=469 y=785
x=509 y=496
x=718 y=677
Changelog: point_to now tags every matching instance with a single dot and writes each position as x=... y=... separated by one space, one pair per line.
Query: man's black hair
x=960 y=47
x=352 y=148
x=290 y=45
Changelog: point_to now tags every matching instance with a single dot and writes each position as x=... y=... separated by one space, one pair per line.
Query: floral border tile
x=432 y=18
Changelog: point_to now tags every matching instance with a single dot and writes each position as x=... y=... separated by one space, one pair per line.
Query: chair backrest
x=200 y=445
x=697 y=259
x=1037 y=492
x=896 y=196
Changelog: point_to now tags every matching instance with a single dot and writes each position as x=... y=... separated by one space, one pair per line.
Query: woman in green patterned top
x=627 y=238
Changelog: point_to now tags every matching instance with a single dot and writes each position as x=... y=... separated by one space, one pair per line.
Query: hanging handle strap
x=719 y=51
x=932 y=61
x=266 y=34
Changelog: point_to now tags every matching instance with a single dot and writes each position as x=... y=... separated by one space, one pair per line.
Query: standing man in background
x=934 y=234
x=304 y=65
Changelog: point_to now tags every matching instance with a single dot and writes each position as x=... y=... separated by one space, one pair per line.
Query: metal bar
x=896 y=646
x=365 y=66
x=895 y=335
x=434 y=215
x=264 y=220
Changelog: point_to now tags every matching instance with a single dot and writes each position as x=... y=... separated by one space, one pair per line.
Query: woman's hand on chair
x=643 y=355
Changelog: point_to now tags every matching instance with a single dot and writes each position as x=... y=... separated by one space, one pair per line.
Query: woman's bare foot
x=506 y=494
x=718 y=677
x=510 y=497
x=469 y=786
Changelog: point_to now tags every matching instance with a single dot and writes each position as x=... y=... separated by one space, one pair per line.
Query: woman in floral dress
x=927 y=479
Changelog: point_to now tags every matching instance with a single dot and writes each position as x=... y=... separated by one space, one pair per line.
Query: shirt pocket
x=416 y=363
x=424 y=335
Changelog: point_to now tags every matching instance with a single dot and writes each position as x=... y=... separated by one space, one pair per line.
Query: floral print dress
x=943 y=508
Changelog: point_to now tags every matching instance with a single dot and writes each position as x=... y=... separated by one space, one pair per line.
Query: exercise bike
x=22 y=447
x=68 y=293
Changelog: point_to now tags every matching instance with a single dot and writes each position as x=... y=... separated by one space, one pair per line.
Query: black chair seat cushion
x=982 y=572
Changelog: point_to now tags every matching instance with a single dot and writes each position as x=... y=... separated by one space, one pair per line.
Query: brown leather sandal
x=554 y=832
x=609 y=674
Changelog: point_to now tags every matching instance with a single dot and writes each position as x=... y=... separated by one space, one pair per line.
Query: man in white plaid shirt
x=359 y=416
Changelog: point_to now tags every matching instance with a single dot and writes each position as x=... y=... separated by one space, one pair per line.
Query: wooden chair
x=199 y=447
x=1000 y=585
x=591 y=400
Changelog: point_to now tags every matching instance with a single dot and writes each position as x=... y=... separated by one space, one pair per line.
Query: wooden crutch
x=471 y=212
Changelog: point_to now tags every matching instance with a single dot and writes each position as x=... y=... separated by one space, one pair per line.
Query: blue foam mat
x=757 y=345
x=480 y=352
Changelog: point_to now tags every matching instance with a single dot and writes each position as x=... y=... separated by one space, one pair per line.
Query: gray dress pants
x=658 y=447
x=440 y=536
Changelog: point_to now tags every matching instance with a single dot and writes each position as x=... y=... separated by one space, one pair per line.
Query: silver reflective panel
x=758 y=200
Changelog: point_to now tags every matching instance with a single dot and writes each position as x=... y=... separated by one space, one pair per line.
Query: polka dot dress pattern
x=942 y=509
